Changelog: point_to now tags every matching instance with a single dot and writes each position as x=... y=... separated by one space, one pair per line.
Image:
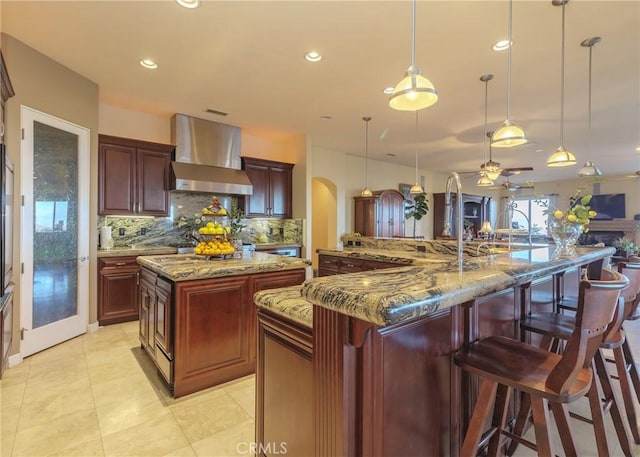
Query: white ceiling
x=246 y=58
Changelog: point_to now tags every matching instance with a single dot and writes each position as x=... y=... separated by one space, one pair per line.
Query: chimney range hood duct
x=207 y=157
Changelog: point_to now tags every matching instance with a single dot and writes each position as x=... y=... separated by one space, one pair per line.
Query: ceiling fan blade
x=512 y=169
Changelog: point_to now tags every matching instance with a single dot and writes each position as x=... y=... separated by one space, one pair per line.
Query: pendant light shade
x=414 y=92
x=366 y=192
x=510 y=134
x=589 y=169
x=416 y=188
x=562 y=157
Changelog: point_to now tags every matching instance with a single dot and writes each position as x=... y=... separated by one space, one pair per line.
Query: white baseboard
x=15 y=359
x=93 y=327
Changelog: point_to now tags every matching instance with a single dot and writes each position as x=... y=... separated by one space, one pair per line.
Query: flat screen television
x=608 y=206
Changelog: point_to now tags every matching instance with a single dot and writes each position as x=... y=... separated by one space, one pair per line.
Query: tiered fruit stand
x=213 y=242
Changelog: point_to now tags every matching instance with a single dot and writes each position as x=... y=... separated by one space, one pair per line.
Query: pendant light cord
x=589 y=108
x=366 y=151
x=562 y=81
x=416 y=148
x=413 y=36
x=486 y=98
x=509 y=60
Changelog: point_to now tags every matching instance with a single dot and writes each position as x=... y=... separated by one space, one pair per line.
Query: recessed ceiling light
x=313 y=56
x=148 y=63
x=501 y=45
x=188 y=3
x=638 y=149
x=388 y=90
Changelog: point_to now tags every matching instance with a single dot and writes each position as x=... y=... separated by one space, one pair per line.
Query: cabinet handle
x=120 y=264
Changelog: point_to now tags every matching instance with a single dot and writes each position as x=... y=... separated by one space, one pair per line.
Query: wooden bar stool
x=550 y=380
x=556 y=327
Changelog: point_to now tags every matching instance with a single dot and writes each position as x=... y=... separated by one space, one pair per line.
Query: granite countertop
x=389 y=296
x=136 y=251
x=187 y=267
x=287 y=302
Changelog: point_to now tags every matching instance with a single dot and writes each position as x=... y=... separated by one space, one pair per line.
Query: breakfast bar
x=383 y=338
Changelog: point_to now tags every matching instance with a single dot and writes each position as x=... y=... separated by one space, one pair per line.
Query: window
x=533 y=207
x=50 y=216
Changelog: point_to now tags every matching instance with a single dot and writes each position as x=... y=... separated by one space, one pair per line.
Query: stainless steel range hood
x=207 y=157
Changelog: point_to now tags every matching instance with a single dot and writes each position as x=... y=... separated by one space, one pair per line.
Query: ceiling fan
x=508 y=185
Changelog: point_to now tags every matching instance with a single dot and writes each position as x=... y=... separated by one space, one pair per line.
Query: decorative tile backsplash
x=164 y=231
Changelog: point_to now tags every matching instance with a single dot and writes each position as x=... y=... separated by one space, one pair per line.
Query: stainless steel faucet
x=447 y=212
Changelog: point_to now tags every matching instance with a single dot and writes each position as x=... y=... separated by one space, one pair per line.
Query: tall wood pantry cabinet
x=272 y=188
x=133 y=177
x=381 y=215
x=475 y=208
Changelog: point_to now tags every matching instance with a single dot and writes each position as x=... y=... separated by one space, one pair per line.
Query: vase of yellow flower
x=567 y=226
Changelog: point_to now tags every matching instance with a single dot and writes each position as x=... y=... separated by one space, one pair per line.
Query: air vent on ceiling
x=213 y=111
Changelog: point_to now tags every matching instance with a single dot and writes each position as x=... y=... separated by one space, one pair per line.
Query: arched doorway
x=324 y=216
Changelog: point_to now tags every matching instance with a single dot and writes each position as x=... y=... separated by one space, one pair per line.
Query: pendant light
x=589 y=169
x=510 y=134
x=416 y=189
x=484 y=180
x=562 y=157
x=414 y=92
x=366 y=192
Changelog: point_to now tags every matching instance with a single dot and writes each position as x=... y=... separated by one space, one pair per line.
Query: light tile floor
x=92 y=396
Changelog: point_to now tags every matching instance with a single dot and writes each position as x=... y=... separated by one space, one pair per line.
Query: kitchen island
x=197 y=317
x=383 y=340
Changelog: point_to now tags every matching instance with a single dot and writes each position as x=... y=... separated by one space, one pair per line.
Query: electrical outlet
x=143 y=231
x=121 y=231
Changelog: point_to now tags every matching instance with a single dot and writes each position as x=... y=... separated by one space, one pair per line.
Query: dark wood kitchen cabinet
x=381 y=215
x=202 y=332
x=272 y=188
x=329 y=265
x=475 y=208
x=133 y=177
x=117 y=289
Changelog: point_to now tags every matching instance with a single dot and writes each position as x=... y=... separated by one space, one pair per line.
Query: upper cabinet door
x=117 y=179
x=153 y=179
x=280 y=192
x=272 y=184
x=133 y=177
x=258 y=203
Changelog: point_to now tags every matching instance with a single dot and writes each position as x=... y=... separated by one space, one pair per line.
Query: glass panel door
x=55 y=241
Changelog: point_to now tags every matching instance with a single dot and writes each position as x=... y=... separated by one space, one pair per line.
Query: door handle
x=83 y=258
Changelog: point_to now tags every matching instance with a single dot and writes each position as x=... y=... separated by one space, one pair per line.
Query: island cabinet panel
x=117 y=289
x=147 y=299
x=389 y=391
x=271 y=281
x=213 y=328
x=284 y=387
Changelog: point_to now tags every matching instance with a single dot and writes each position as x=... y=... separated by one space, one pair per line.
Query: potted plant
x=626 y=246
x=416 y=209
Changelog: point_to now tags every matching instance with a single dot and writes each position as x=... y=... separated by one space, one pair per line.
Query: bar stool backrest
x=596 y=305
x=632 y=293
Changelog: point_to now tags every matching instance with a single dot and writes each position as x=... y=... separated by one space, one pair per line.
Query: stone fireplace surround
x=608 y=231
